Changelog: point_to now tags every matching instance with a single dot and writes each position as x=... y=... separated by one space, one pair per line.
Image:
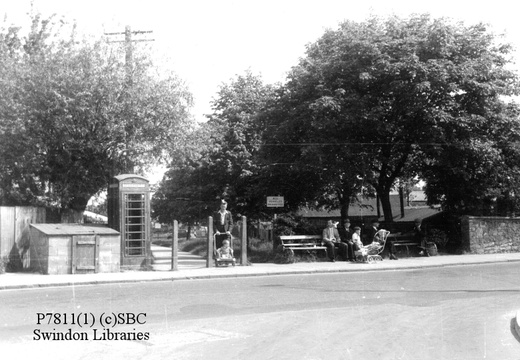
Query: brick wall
x=490 y=235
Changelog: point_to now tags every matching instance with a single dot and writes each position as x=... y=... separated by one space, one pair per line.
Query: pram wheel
x=371 y=259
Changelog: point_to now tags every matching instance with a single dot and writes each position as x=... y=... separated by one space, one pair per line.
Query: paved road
x=445 y=313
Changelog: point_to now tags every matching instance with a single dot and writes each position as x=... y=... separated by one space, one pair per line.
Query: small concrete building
x=74 y=249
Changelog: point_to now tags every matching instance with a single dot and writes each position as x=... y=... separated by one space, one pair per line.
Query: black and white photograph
x=259 y=180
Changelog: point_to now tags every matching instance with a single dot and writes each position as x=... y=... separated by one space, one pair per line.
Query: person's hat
x=357 y=228
x=417 y=221
x=375 y=221
x=346 y=221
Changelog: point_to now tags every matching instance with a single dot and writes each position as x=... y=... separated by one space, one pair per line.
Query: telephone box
x=129 y=213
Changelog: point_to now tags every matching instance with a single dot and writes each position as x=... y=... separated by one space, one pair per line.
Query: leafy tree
x=71 y=119
x=394 y=98
x=183 y=192
x=473 y=171
x=236 y=133
x=225 y=165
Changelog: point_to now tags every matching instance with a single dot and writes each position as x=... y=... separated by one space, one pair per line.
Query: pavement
x=25 y=280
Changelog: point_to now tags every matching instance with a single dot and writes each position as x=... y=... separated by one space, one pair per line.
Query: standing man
x=330 y=238
x=371 y=232
x=222 y=224
x=420 y=237
x=345 y=233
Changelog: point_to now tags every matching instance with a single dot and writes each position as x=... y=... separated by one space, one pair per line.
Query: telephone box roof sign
x=275 y=201
x=128 y=181
x=123 y=177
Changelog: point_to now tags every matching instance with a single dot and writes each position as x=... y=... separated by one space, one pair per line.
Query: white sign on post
x=275 y=201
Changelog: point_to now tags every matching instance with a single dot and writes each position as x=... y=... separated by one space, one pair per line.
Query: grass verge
x=258 y=251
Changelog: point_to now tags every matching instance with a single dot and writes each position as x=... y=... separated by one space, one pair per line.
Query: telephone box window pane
x=135 y=230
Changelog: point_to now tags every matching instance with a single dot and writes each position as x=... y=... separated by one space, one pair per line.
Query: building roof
x=368 y=209
x=74 y=229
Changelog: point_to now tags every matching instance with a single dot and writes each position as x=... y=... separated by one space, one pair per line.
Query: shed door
x=85 y=253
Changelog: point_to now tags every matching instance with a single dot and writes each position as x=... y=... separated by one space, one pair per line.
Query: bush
x=3 y=264
x=197 y=246
x=439 y=237
x=260 y=251
x=289 y=224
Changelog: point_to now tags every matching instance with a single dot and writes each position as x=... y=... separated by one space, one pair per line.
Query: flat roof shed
x=74 y=249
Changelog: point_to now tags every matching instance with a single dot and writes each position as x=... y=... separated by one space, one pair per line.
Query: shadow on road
x=513 y=330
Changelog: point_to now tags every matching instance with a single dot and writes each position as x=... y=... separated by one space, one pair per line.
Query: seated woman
x=376 y=245
x=370 y=249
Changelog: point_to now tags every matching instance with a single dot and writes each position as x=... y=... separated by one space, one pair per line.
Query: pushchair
x=223 y=259
x=372 y=252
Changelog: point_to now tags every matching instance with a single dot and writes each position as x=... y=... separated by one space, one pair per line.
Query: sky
x=209 y=42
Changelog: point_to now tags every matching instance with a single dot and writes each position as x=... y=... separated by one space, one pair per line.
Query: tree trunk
x=344 y=204
x=386 y=205
x=401 y=200
x=188 y=233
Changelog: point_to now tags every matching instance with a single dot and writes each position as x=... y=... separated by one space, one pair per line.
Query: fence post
x=243 y=260
x=175 y=245
x=209 y=259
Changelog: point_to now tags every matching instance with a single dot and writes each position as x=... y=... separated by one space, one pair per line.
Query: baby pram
x=372 y=252
x=220 y=258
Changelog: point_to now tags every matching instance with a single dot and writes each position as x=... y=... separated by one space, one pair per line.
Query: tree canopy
x=395 y=98
x=372 y=105
x=70 y=118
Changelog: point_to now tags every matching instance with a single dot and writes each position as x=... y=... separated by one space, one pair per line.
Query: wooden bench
x=405 y=240
x=292 y=243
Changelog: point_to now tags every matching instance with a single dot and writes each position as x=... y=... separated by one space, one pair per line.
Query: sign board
x=133 y=185
x=275 y=201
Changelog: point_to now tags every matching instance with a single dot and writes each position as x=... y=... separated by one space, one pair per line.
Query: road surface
x=461 y=312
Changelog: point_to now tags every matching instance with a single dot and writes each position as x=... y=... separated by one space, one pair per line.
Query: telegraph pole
x=129 y=66
x=129 y=57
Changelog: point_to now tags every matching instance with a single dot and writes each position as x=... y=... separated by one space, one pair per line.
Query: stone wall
x=109 y=253
x=490 y=235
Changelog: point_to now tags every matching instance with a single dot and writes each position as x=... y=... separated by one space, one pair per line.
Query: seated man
x=346 y=238
x=331 y=240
